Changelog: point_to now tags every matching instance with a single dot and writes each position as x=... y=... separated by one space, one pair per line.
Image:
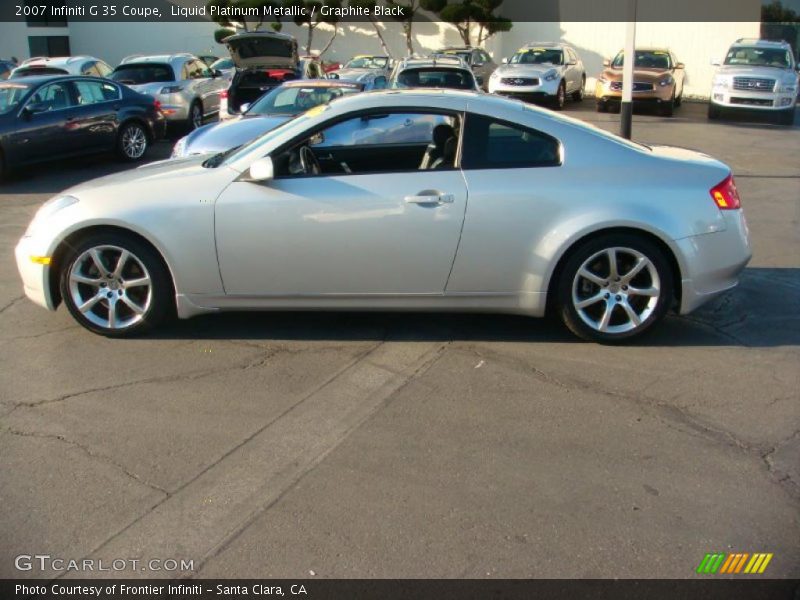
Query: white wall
x=14 y=38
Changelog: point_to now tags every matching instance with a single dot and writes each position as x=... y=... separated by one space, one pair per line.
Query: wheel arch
x=75 y=237
x=573 y=244
x=139 y=120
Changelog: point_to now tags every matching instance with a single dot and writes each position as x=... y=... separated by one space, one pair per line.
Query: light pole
x=629 y=57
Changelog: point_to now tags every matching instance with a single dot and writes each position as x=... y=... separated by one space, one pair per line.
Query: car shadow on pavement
x=764 y=311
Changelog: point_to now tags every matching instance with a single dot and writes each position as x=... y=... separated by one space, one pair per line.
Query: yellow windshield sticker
x=659 y=53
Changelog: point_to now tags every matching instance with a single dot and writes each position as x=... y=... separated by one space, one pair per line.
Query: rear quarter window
x=494 y=144
x=139 y=74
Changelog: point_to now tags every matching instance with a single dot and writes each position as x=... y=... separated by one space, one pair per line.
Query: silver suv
x=62 y=65
x=186 y=88
x=437 y=72
x=757 y=75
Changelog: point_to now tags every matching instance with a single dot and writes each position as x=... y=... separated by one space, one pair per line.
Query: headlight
x=666 y=81
x=550 y=75
x=49 y=208
x=788 y=85
x=180 y=147
x=494 y=75
x=721 y=82
x=171 y=89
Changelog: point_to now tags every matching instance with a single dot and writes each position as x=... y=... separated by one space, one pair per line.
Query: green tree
x=312 y=17
x=471 y=17
x=370 y=4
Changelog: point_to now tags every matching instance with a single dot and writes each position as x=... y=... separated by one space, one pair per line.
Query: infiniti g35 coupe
x=45 y=118
x=487 y=204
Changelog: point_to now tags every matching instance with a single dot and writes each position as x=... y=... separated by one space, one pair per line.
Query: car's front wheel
x=614 y=287
x=561 y=97
x=132 y=142
x=115 y=285
x=714 y=112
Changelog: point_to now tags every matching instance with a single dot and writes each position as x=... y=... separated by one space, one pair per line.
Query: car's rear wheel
x=115 y=285
x=714 y=112
x=195 y=116
x=132 y=142
x=561 y=97
x=577 y=95
x=614 y=287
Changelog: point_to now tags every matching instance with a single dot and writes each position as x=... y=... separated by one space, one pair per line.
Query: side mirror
x=716 y=62
x=244 y=107
x=261 y=171
x=680 y=66
x=34 y=108
x=505 y=60
x=217 y=73
x=478 y=64
x=606 y=62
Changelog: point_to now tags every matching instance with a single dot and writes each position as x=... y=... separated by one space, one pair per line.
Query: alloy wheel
x=111 y=287
x=134 y=142
x=197 y=116
x=616 y=290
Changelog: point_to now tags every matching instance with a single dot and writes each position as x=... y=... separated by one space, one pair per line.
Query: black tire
x=577 y=95
x=155 y=302
x=786 y=117
x=195 y=110
x=679 y=99
x=668 y=108
x=2 y=167
x=714 y=112
x=602 y=107
x=625 y=245
x=133 y=141
x=561 y=97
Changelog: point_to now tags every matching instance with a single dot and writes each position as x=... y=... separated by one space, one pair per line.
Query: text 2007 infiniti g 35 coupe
x=410 y=200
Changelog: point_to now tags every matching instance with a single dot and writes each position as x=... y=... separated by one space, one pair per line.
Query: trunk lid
x=262 y=49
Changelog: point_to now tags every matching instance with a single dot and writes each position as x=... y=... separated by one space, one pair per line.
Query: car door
x=96 y=115
x=207 y=87
x=46 y=125
x=390 y=230
x=572 y=77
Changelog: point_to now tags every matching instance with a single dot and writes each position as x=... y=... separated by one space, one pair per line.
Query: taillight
x=725 y=194
x=224 y=95
x=157 y=105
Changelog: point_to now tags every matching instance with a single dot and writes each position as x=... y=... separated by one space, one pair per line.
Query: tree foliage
x=471 y=17
x=776 y=12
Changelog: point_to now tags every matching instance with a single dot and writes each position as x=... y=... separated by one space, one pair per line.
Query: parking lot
x=398 y=445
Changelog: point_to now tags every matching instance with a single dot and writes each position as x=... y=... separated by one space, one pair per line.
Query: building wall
x=695 y=44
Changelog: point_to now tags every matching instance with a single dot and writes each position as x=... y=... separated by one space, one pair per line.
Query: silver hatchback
x=186 y=88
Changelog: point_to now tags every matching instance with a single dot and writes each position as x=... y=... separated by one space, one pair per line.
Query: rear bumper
x=713 y=261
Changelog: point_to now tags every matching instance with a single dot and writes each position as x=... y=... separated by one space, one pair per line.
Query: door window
x=55 y=96
x=94 y=92
x=494 y=144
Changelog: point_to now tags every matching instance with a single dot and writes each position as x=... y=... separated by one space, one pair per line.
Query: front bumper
x=660 y=94
x=35 y=276
x=712 y=262
x=728 y=98
x=544 y=91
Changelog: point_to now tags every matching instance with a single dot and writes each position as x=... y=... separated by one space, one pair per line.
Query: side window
x=185 y=71
x=381 y=129
x=493 y=144
x=55 y=96
x=203 y=70
x=88 y=68
x=103 y=69
x=94 y=92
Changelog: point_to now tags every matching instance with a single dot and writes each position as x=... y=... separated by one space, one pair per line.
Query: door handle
x=430 y=199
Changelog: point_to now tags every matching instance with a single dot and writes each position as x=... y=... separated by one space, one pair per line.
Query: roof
x=435 y=61
x=36 y=79
x=545 y=45
x=55 y=60
x=323 y=83
x=156 y=58
x=762 y=43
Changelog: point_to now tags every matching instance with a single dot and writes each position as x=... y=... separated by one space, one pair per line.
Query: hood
x=526 y=70
x=152 y=172
x=218 y=137
x=354 y=74
x=649 y=75
x=753 y=71
x=262 y=49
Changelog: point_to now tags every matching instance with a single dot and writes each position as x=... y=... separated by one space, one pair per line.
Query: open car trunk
x=263 y=60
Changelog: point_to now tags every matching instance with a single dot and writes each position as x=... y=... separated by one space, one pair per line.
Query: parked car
x=657 y=81
x=209 y=59
x=478 y=59
x=372 y=69
x=756 y=75
x=541 y=72
x=50 y=117
x=224 y=66
x=263 y=60
x=62 y=65
x=287 y=223
x=272 y=109
x=6 y=66
x=186 y=88
x=438 y=72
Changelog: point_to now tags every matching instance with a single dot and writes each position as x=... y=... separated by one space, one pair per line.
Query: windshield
x=223 y=63
x=759 y=57
x=538 y=56
x=141 y=73
x=296 y=99
x=368 y=62
x=11 y=95
x=34 y=71
x=647 y=59
x=458 y=79
x=463 y=54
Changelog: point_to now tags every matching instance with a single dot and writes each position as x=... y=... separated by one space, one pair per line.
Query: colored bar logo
x=734 y=564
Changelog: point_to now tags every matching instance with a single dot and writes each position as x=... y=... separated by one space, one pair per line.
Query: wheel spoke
x=606 y=318
x=140 y=281
x=87 y=306
x=648 y=291
x=78 y=278
x=587 y=274
x=112 y=313
x=612 y=264
x=132 y=305
x=98 y=262
x=589 y=301
x=641 y=263
x=123 y=259
x=631 y=313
